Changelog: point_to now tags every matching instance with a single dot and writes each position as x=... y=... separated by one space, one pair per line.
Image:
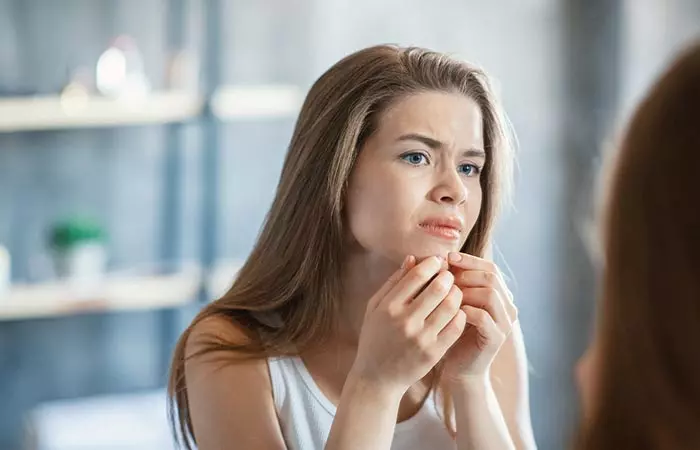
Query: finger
x=444 y=312
x=430 y=296
x=466 y=261
x=408 y=263
x=413 y=281
x=489 y=300
x=444 y=265
x=477 y=278
x=453 y=330
x=488 y=332
x=471 y=262
x=484 y=279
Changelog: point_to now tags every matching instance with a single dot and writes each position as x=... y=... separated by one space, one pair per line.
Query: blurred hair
x=648 y=384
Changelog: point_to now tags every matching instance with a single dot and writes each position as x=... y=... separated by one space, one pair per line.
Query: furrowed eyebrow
x=435 y=144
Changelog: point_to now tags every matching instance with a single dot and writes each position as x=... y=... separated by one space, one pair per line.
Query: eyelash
x=405 y=157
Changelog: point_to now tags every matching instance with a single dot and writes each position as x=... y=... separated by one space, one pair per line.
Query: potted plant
x=79 y=250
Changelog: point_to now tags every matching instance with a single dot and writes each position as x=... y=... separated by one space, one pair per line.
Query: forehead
x=452 y=118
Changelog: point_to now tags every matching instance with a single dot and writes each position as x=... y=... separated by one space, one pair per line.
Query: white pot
x=83 y=264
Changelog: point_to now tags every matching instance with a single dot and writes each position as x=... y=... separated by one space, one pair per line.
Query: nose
x=449 y=188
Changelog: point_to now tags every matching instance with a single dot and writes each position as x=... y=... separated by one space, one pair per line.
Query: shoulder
x=229 y=393
x=214 y=330
x=211 y=357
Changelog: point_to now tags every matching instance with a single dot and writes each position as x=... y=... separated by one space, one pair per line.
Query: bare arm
x=494 y=412
x=366 y=417
x=509 y=378
x=501 y=383
x=480 y=422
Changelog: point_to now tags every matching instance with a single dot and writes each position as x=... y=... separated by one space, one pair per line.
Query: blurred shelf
x=55 y=112
x=228 y=103
x=256 y=102
x=123 y=293
x=117 y=293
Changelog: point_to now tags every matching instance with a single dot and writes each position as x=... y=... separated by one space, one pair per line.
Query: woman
x=346 y=318
x=640 y=379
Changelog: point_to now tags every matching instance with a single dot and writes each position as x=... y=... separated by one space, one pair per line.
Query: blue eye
x=415 y=158
x=469 y=170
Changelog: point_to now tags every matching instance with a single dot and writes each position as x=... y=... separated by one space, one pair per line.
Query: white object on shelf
x=5 y=266
x=120 y=72
x=135 y=421
x=262 y=101
x=83 y=265
x=78 y=111
x=114 y=294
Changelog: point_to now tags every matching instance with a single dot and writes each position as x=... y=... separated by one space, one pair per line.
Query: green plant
x=74 y=231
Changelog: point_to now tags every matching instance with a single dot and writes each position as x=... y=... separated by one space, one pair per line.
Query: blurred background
x=140 y=147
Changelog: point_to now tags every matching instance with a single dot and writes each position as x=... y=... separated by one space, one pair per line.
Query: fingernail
x=454 y=257
x=444 y=280
x=405 y=261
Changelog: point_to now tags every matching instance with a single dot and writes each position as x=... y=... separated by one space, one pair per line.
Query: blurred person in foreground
x=640 y=378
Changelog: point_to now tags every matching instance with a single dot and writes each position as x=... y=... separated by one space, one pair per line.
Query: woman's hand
x=409 y=325
x=490 y=314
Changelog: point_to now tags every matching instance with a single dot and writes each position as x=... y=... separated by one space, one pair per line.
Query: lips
x=449 y=228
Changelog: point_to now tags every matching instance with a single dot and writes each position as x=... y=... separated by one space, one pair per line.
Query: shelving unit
x=228 y=103
x=214 y=105
x=167 y=300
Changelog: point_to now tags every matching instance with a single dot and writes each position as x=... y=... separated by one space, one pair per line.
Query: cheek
x=371 y=203
x=380 y=207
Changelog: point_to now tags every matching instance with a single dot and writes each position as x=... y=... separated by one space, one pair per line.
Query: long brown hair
x=647 y=392
x=285 y=295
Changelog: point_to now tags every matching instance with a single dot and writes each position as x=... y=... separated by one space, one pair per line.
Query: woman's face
x=415 y=187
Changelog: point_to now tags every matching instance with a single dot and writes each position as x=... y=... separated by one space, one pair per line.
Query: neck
x=363 y=275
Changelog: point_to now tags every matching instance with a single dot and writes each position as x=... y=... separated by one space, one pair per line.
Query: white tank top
x=306 y=415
